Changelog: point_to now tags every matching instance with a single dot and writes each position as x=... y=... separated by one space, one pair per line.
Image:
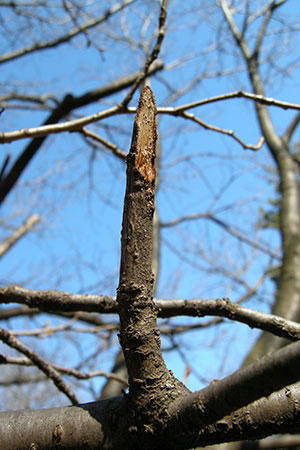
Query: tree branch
x=64 y=38
x=227 y=227
x=260 y=379
x=49 y=371
x=66 y=371
x=115 y=150
x=68 y=104
x=57 y=301
x=18 y=234
x=151 y=385
x=154 y=54
x=291 y=129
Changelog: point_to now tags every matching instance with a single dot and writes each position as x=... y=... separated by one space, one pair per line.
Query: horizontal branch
x=90 y=425
x=86 y=426
x=70 y=125
x=236 y=94
x=51 y=301
x=78 y=124
x=64 y=370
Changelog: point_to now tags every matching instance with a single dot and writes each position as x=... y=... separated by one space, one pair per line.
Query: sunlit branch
x=235 y=94
x=259 y=380
x=222 y=307
x=72 y=125
x=94 y=136
x=230 y=133
x=78 y=124
x=18 y=233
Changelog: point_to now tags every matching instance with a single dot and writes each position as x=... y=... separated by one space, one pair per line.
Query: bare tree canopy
x=93 y=97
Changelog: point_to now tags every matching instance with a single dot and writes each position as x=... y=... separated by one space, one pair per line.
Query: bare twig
x=4 y=359
x=227 y=227
x=38 y=361
x=66 y=37
x=269 y=101
x=230 y=133
x=46 y=330
x=291 y=128
x=115 y=150
x=154 y=54
x=17 y=234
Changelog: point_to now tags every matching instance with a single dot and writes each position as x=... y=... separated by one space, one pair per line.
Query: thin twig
x=66 y=37
x=4 y=359
x=115 y=150
x=154 y=54
x=17 y=234
x=230 y=133
x=38 y=361
x=226 y=226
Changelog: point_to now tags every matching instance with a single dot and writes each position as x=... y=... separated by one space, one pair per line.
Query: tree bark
x=151 y=386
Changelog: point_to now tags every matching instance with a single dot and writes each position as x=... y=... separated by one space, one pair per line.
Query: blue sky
x=79 y=194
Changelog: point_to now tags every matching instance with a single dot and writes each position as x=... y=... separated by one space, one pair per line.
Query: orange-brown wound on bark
x=146 y=135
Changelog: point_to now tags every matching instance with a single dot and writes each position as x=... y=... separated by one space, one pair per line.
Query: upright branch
x=151 y=385
x=287 y=296
x=153 y=55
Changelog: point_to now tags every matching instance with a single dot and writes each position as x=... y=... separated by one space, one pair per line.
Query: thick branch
x=88 y=426
x=276 y=414
x=100 y=424
x=57 y=301
x=151 y=386
x=260 y=379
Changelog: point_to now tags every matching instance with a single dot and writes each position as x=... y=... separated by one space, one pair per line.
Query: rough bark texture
x=96 y=425
x=151 y=386
x=158 y=412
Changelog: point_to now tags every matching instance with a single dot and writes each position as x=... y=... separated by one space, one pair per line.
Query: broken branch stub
x=146 y=130
x=136 y=253
x=151 y=385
